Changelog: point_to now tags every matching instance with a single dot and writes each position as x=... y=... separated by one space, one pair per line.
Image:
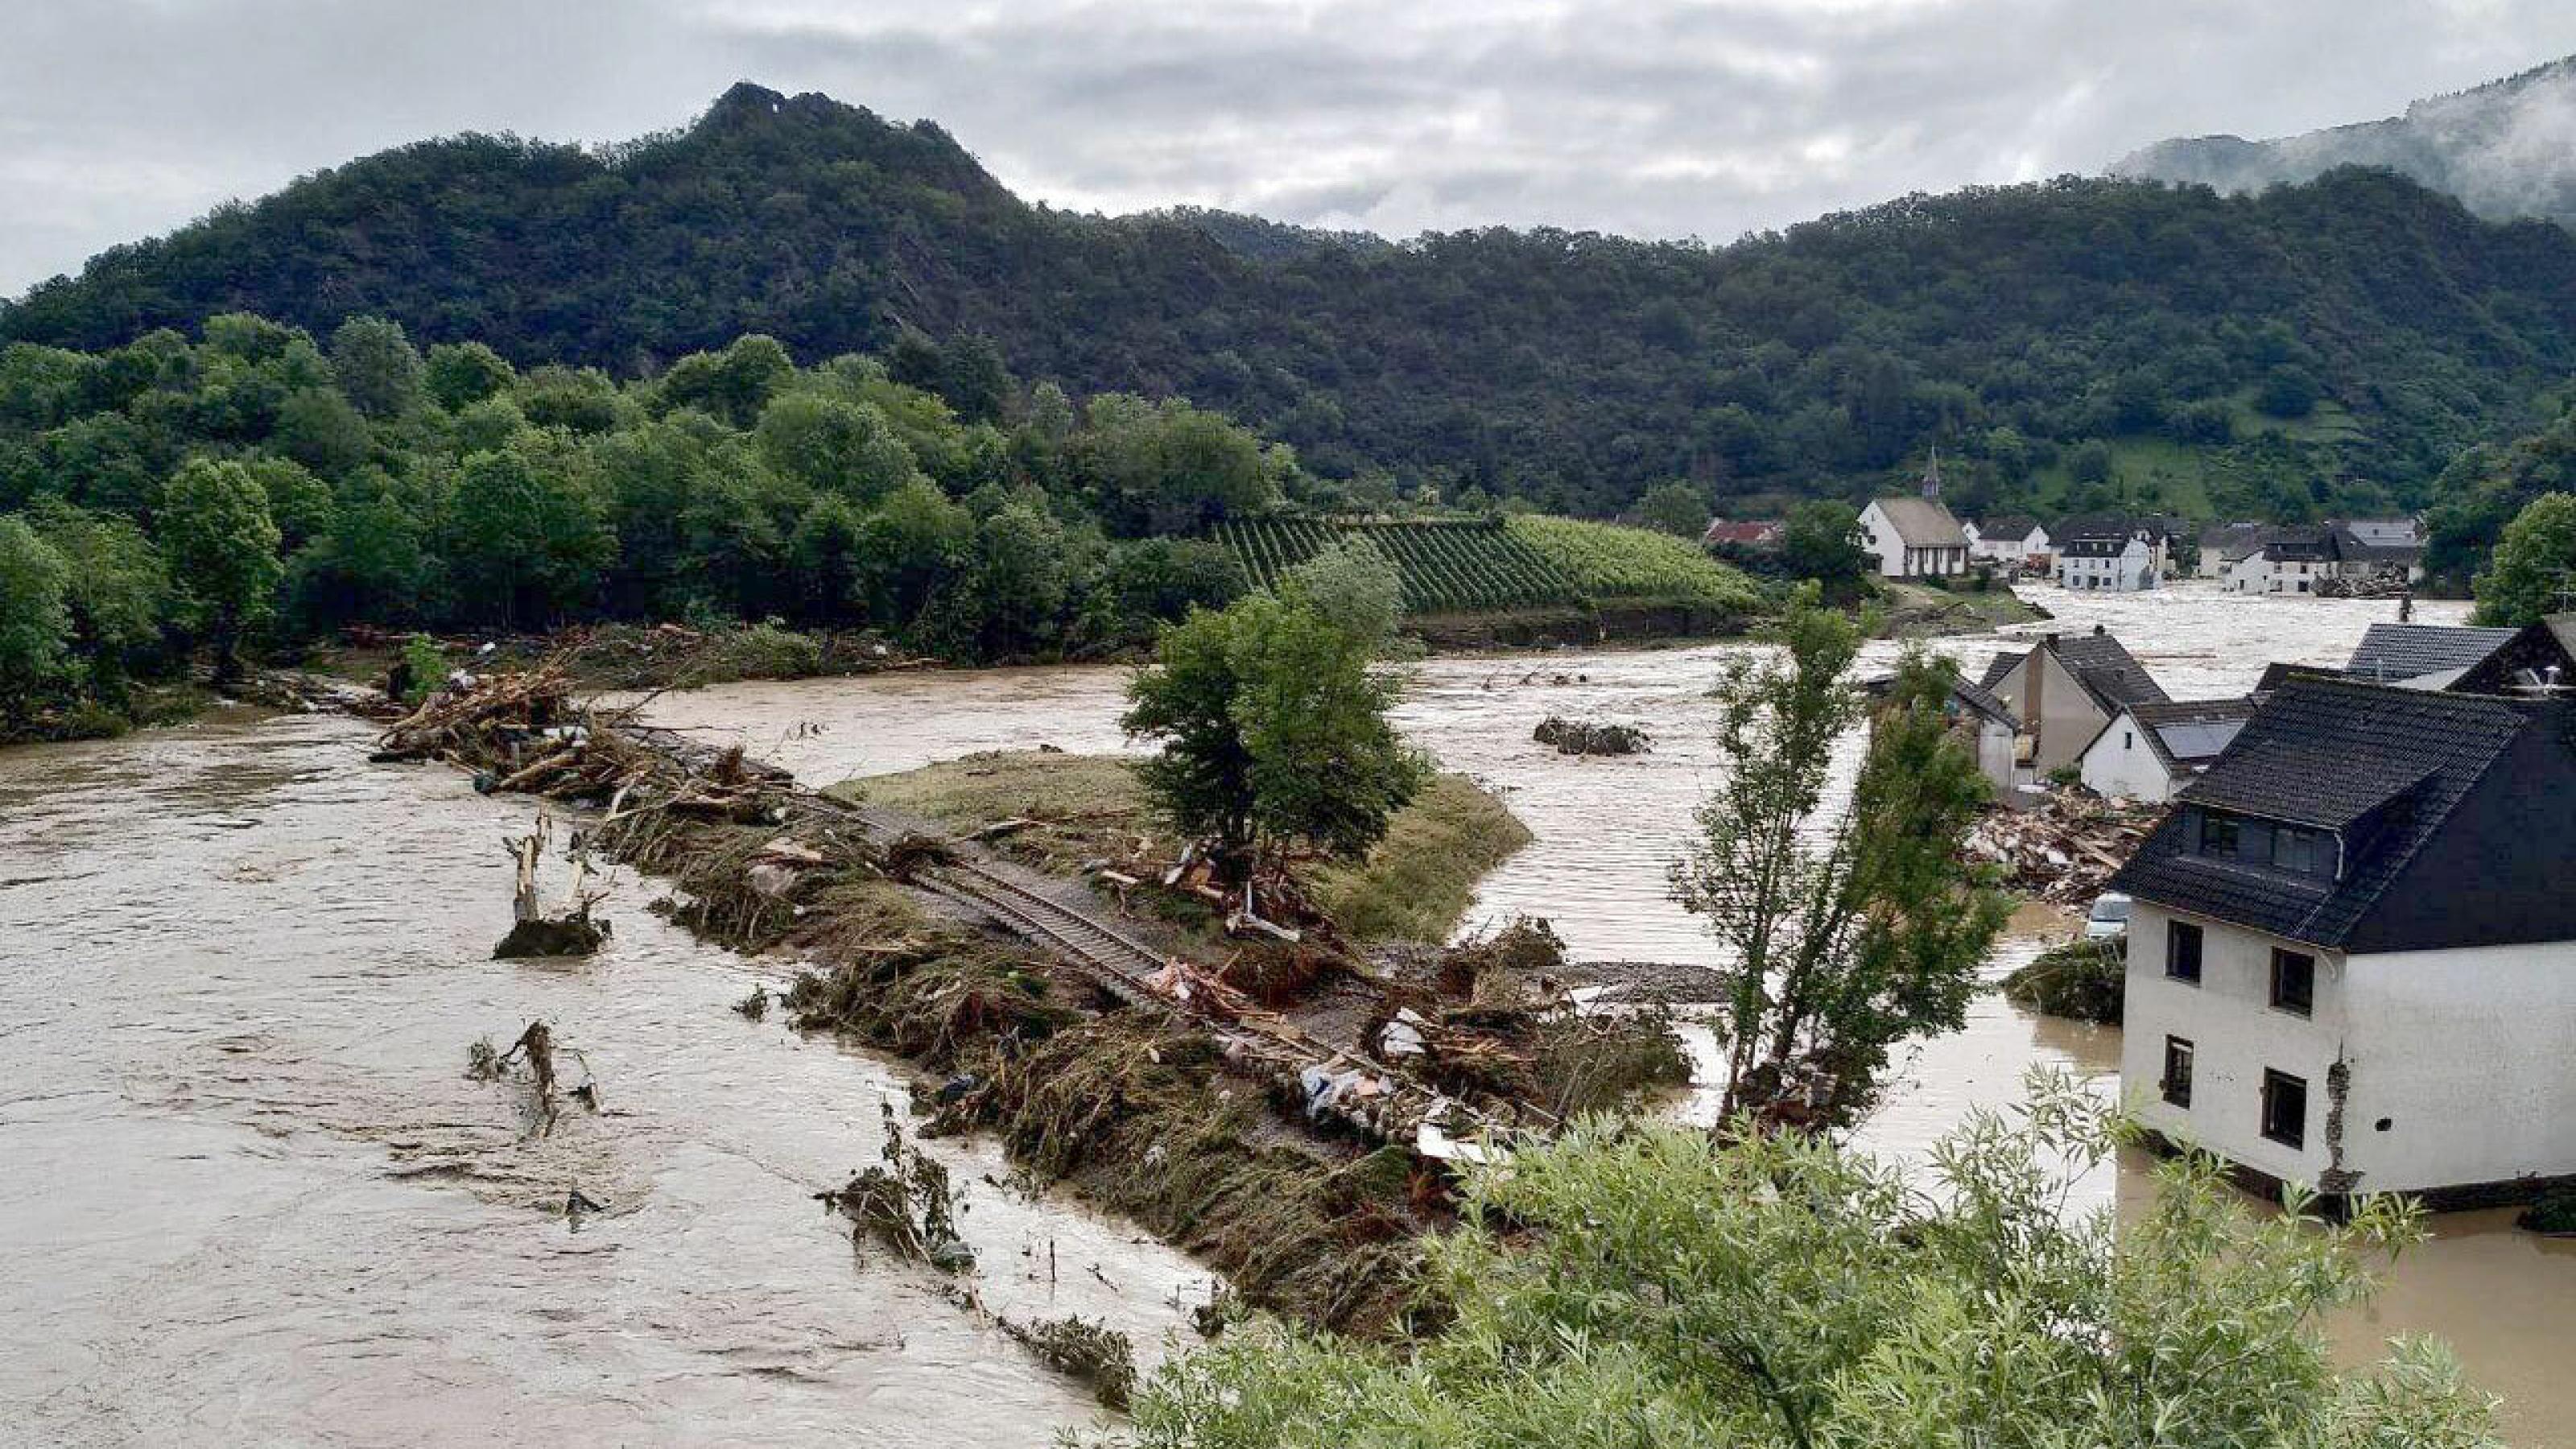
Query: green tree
x=1820 y=541
x=1637 y=1284
x=1847 y=940
x=35 y=616
x=1354 y=586
x=525 y=536
x=118 y=592
x=460 y=374
x=1675 y=508
x=319 y=429
x=915 y=540
x=375 y=365
x=2533 y=573
x=832 y=445
x=1274 y=731
x=222 y=547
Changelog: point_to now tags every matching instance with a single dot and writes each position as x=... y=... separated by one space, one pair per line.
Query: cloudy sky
x=1667 y=118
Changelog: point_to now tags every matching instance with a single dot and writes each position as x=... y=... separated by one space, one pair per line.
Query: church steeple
x=1932 y=476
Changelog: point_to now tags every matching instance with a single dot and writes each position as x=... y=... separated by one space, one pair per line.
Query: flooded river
x=252 y=1198
x=257 y=1200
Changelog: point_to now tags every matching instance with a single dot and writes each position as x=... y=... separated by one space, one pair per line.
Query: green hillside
x=2013 y=325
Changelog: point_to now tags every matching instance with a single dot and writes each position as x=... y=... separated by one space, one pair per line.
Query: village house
x=2065 y=690
x=1751 y=534
x=1914 y=538
x=2540 y=658
x=2325 y=560
x=2423 y=656
x=2352 y=948
x=2117 y=563
x=2224 y=545
x=2010 y=540
x=2150 y=751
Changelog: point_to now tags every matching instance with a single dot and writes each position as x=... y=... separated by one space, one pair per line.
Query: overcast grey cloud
x=125 y=118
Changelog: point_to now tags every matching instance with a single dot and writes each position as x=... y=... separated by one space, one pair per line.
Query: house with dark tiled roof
x=2539 y=660
x=2422 y=656
x=2150 y=751
x=2352 y=948
x=2323 y=560
x=2008 y=539
x=2066 y=689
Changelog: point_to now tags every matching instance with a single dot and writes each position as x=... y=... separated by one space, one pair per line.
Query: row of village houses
x=1918 y=537
x=2351 y=953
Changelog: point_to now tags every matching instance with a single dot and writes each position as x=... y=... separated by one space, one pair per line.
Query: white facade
x=1896 y=559
x=2121 y=764
x=2132 y=569
x=2009 y=549
x=2261 y=573
x=2421 y=1070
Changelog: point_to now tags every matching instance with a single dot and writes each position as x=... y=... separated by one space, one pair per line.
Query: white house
x=2152 y=750
x=2352 y=954
x=2065 y=689
x=2318 y=561
x=1912 y=538
x=2009 y=540
x=2225 y=545
x=2122 y=564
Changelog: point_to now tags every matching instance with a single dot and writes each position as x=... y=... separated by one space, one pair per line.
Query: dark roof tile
x=2410 y=651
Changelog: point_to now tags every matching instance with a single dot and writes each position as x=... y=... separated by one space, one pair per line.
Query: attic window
x=2218 y=836
x=2308 y=852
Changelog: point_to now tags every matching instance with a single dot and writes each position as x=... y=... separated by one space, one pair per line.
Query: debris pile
x=907 y=1203
x=2065 y=849
x=1591 y=737
x=533 y=932
x=1092 y=1352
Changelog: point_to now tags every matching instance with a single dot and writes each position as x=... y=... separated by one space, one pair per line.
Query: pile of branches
x=1591 y=737
x=2064 y=850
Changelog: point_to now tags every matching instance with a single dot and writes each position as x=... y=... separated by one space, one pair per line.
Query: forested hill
x=2075 y=343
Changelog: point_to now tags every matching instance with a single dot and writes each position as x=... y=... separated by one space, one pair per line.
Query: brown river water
x=256 y=1200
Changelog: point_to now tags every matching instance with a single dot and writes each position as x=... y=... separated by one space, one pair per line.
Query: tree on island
x=1273 y=718
x=1641 y=1284
x=1845 y=941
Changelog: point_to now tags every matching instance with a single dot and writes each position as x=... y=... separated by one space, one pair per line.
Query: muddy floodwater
x=251 y=1198
x=1605 y=829
x=254 y=1199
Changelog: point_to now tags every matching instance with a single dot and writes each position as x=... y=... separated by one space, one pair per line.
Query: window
x=2218 y=836
x=2176 y=1085
x=2285 y=1108
x=2128 y=741
x=2306 y=851
x=2294 y=981
x=2182 y=951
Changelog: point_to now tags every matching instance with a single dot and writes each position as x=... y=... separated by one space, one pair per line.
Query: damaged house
x=2066 y=690
x=2352 y=954
x=2152 y=750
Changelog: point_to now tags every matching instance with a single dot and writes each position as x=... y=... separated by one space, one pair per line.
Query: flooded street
x=255 y=1198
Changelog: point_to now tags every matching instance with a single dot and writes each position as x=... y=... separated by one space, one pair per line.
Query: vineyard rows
x=1445 y=567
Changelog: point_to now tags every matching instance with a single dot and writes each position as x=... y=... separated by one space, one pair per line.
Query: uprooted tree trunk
x=907 y=1204
x=534 y=933
x=535 y=1047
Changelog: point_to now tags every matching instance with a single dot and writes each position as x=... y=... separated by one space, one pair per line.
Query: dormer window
x=2308 y=852
x=2219 y=836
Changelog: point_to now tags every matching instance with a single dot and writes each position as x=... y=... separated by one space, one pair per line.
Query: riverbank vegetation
x=2082 y=979
x=1783 y=1291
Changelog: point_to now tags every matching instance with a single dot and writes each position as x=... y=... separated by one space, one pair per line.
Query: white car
x=2109 y=917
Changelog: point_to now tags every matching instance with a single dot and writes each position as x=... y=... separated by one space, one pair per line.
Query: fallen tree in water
x=1591 y=737
x=533 y=932
x=2082 y=979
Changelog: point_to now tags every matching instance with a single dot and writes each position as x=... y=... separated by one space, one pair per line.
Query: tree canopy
x=1640 y=1284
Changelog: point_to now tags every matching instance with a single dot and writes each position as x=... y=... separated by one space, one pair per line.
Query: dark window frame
x=2289 y=841
x=2275 y=1085
x=2304 y=1001
x=2174 y=952
x=2175 y=1087
x=2217 y=831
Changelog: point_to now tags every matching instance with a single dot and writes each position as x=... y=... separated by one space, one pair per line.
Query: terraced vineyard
x=1465 y=566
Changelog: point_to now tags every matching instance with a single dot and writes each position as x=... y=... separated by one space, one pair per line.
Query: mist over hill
x=2075 y=343
x=2505 y=149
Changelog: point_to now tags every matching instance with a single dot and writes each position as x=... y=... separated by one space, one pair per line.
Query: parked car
x=2109 y=917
